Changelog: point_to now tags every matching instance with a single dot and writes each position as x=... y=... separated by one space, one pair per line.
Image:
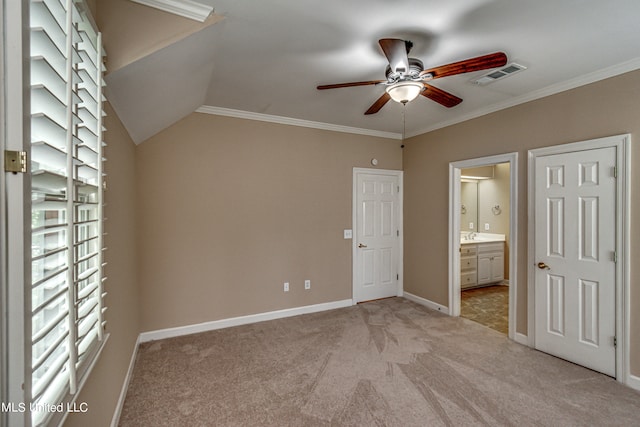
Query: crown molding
x=228 y=112
x=586 y=79
x=187 y=8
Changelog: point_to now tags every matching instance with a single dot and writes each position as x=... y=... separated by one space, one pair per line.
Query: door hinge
x=15 y=161
x=397 y=277
x=615 y=171
x=615 y=257
x=398 y=233
x=615 y=341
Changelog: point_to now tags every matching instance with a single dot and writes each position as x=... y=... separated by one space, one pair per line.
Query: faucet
x=471 y=235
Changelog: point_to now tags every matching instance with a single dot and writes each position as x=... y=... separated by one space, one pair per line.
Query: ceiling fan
x=406 y=77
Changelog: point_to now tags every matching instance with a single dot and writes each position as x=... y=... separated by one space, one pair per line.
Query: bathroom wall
x=491 y=193
x=469 y=208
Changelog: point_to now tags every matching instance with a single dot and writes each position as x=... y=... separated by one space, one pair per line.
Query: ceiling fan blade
x=492 y=60
x=396 y=51
x=378 y=104
x=339 y=85
x=440 y=96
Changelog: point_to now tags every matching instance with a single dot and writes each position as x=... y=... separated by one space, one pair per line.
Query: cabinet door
x=484 y=269
x=497 y=268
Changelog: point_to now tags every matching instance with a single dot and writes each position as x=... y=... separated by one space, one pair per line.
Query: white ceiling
x=268 y=56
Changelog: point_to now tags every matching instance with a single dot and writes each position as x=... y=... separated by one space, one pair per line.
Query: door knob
x=362 y=246
x=543 y=266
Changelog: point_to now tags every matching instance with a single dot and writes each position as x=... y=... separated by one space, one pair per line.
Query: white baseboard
x=521 y=339
x=633 y=382
x=429 y=304
x=125 y=386
x=242 y=320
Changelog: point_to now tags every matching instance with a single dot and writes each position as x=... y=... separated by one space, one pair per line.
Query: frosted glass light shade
x=404 y=92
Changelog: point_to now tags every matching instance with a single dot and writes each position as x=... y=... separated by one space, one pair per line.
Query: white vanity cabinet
x=481 y=263
x=490 y=262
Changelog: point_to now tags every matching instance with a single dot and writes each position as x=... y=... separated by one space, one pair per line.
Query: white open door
x=575 y=254
x=377 y=234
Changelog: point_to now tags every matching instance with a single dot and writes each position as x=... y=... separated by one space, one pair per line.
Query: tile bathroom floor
x=488 y=306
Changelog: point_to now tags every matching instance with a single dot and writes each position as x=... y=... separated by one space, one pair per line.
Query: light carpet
x=383 y=363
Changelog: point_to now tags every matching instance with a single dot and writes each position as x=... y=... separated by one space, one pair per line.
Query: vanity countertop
x=481 y=238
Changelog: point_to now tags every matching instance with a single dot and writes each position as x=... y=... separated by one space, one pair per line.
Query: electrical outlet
x=470 y=226
x=486 y=226
x=307 y=284
x=286 y=286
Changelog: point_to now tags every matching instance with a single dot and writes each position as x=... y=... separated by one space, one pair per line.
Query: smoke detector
x=507 y=70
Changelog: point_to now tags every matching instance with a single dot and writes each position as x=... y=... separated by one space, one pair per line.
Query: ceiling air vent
x=501 y=73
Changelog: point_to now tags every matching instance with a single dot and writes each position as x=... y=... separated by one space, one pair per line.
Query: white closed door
x=377 y=236
x=575 y=279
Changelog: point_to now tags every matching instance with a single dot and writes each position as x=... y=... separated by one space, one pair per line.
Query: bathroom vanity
x=481 y=260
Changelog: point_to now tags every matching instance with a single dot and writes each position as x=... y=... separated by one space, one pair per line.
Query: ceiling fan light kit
x=405 y=91
x=406 y=77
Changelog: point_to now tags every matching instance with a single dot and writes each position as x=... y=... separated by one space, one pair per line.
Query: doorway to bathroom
x=483 y=226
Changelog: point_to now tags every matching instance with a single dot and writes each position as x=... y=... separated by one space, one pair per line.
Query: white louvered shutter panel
x=67 y=184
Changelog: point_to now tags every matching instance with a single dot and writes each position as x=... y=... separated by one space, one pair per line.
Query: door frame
x=622 y=143
x=15 y=203
x=354 y=227
x=454 y=233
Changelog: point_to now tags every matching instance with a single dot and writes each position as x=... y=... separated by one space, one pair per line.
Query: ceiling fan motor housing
x=415 y=68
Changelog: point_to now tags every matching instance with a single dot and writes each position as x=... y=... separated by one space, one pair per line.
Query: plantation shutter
x=67 y=193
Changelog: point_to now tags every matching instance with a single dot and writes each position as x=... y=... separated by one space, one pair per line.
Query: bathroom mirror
x=469 y=206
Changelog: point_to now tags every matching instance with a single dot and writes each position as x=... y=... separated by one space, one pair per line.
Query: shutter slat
x=43 y=332
x=42 y=18
x=49 y=301
x=49 y=155
x=42 y=45
x=43 y=383
x=45 y=280
x=87 y=291
x=87 y=308
x=45 y=129
x=52 y=348
x=43 y=101
x=87 y=324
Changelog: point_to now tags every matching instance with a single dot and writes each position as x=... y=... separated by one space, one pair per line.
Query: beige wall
x=608 y=107
x=230 y=209
x=102 y=389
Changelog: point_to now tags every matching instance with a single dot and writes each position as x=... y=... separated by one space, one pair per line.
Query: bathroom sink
x=482 y=238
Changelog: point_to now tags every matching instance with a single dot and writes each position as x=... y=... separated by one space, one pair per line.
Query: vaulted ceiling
x=264 y=59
